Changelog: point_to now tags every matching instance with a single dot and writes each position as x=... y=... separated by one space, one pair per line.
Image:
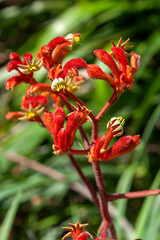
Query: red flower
x=64 y=138
x=62 y=78
x=24 y=68
x=54 y=53
x=124 y=145
x=32 y=107
x=76 y=231
x=122 y=75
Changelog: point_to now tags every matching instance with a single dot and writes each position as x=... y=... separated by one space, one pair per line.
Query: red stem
x=104 y=227
x=85 y=180
x=103 y=204
x=77 y=152
x=94 y=131
x=131 y=195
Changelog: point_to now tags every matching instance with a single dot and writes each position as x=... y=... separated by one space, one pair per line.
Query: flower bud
x=116 y=123
x=122 y=146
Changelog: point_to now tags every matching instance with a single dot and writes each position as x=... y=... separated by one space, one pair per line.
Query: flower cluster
x=64 y=138
x=122 y=75
x=24 y=68
x=64 y=81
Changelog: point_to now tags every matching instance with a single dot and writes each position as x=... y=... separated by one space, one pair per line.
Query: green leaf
x=9 y=218
x=146 y=211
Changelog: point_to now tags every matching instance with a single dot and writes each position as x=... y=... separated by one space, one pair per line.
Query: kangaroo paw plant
x=55 y=106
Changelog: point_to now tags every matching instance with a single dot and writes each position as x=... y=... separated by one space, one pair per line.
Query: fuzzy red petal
x=71 y=128
x=83 y=236
x=60 y=52
x=13 y=65
x=75 y=63
x=58 y=122
x=60 y=139
x=122 y=146
x=48 y=119
x=96 y=72
x=38 y=88
x=98 y=145
x=54 y=122
x=34 y=101
x=55 y=42
x=75 y=120
x=14 y=116
x=15 y=56
x=121 y=58
x=15 y=80
x=27 y=56
x=109 y=61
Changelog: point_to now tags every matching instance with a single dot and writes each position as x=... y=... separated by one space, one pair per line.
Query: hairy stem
x=94 y=131
x=131 y=195
x=107 y=221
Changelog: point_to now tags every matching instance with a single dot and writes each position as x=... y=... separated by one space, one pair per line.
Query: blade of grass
x=152 y=231
x=9 y=219
x=146 y=210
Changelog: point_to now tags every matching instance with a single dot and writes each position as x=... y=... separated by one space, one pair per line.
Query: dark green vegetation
x=34 y=206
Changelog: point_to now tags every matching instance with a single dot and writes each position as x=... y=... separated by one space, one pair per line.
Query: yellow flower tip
x=77 y=39
x=57 y=151
x=73 y=85
x=116 y=124
x=33 y=66
x=122 y=120
x=58 y=84
x=30 y=115
x=73 y=37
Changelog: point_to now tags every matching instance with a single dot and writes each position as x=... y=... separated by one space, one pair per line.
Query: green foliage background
x=33 y=206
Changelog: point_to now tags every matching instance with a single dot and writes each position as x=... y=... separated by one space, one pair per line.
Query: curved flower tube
x=122 y=74
x=64 y=138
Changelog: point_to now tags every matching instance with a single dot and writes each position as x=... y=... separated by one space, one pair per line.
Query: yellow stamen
x=30 y=115
x=122 y=120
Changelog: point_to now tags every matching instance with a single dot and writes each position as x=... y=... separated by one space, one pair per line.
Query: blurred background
x=33 y=206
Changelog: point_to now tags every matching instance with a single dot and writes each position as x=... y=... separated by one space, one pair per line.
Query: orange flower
x=64 y=138
x=24 y=68
x=32 y=108
x=122 y=74
x=54 y=52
